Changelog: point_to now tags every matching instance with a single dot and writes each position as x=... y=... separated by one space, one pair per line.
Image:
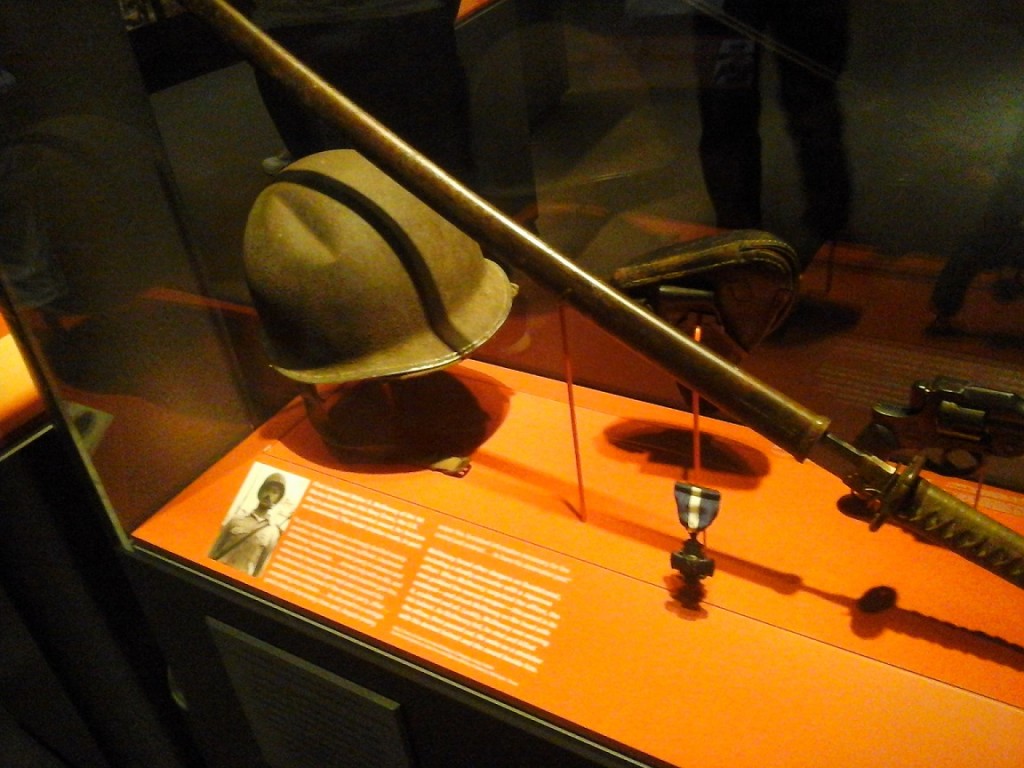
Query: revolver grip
x=943 y=519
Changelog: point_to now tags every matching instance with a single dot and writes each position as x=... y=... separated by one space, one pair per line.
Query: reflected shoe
x=275 y=164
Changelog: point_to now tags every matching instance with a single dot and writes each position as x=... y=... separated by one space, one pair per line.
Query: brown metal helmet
x=354 y=278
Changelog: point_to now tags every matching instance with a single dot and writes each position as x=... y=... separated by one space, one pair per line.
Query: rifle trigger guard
x=892 y=499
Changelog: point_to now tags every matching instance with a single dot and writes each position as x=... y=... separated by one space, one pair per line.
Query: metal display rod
x=881 y=493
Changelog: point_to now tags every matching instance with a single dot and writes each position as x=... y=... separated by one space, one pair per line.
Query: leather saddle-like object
x=738 y=287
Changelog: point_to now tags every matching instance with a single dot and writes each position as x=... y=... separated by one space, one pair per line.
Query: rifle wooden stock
x=765 y=410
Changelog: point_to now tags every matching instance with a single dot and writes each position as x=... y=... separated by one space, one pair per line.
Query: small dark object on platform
x=877 y=599
x=692 y=562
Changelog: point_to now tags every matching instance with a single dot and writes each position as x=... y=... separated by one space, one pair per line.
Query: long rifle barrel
x=770 y=413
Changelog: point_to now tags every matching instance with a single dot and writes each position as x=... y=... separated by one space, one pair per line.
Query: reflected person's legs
x=295 y=123
x=26 y=256
x=997 y=242
x=813 y=38
x=403 y=70
x=728 y=71
x=809 y=40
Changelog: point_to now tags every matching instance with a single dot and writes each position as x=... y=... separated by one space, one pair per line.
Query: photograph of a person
x=258 y=516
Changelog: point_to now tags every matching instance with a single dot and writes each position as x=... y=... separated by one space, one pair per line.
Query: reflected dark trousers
x=404 y=71
x=809 y=41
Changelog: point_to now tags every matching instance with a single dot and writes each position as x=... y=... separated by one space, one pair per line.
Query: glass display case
x=767 y=254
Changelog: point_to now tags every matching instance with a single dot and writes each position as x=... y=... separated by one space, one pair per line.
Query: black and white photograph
x=259 y=515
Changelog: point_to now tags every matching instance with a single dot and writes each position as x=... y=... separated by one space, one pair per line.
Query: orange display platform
x=468 y=7
x=20 y=402
x=511 y=581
